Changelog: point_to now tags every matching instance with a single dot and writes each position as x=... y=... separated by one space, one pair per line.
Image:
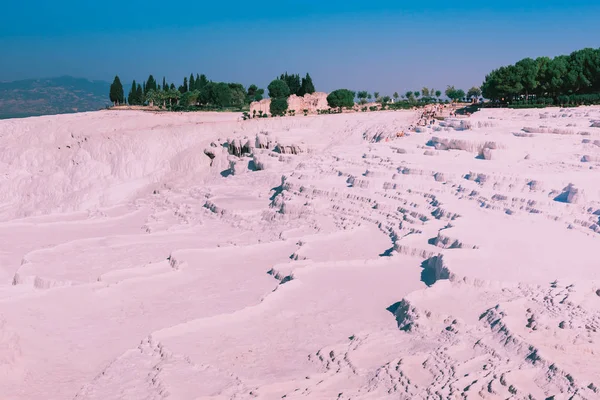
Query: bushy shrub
x=341 y=98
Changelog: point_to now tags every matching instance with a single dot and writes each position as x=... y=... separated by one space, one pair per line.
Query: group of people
x=428 y=116
x=430 y=112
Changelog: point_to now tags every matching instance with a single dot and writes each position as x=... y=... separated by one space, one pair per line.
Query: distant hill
x=61 y=95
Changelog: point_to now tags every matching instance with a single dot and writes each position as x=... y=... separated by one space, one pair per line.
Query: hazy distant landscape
x=66 y=94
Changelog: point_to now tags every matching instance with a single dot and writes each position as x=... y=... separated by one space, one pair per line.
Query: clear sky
x=376 y=45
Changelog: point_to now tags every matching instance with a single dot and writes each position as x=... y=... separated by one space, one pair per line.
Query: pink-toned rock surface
x=310 y=102
x=198 y=256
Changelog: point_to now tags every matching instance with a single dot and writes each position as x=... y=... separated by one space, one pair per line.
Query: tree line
x=344 y=98
x=196 y=92
x=564 y=79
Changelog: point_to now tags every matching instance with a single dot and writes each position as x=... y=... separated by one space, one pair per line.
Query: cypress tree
x=197 y=85
x=293 y=82
x=150 y=84
x=139 y=94
x=172 y=87
x=307 y=85
x=192 y=83
x=185 y=85
x=132 y=96
x=144 y=88
x=116 y=92
x=164 y=85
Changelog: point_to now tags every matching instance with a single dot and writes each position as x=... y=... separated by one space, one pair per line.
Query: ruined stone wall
x=310 y=102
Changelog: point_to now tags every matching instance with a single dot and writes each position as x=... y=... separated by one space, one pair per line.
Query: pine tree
x=172 y=87
x=116 y=92
x=131 y=97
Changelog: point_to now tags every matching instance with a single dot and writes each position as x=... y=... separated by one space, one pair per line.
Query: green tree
x=362 y=96
x=132 y=97
x=450 y=92
x=164 y=85
x=307 y=86
x=238 y=95
x=341 y=98
x=189 y=98
x=192 y=83
x=278 y=89
x=153 y=97
x=260 y=93
x=376 y=94
x=206 y=94
x=173 y=95
x=184 y=88
x=150 y=84
x=417 y=94
x=254 y=93
x=293 y=82
x=221 y=94
x=295 y=85
x=527 y=73
x=116 y=92
x=201 y=82
x=396 y=95
x=554 y=77
x=139 y=95
x=474 y=93
x=409 y=95
x=438 y=93
x=278 y=106
x=425 y=92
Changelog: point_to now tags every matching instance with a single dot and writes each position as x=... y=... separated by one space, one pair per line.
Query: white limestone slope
x=198 y=256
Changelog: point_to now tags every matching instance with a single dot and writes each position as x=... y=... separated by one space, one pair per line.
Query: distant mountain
x=61 y=95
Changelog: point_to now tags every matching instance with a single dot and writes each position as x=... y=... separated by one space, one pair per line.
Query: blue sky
x=376 y=45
